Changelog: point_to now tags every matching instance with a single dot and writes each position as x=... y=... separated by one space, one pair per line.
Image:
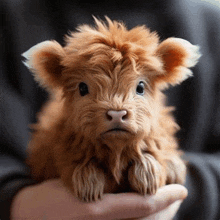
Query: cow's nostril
x=125 y=117
x=109 y=117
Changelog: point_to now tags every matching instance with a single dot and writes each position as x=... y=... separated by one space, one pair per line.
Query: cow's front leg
x=88 y=181
x=146 y=175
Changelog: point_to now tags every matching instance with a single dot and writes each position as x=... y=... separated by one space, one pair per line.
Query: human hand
x=51 y=200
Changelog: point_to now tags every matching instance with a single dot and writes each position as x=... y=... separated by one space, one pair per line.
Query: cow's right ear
x=44 y=60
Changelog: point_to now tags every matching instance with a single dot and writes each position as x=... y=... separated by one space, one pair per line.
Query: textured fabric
x=25 y=23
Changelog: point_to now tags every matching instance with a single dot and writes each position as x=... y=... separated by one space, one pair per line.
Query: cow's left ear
x=177 y=56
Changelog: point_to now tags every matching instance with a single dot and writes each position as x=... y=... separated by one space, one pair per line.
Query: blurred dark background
x=25 y=23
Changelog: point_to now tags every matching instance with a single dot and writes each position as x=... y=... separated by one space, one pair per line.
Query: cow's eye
x=140 y=88
x=83 y=89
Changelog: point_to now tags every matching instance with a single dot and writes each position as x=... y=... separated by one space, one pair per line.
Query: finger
x=165 y=196
x=167 y=213
x=133 y=205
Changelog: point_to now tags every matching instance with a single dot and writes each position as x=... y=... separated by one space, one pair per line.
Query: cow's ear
x=177 y=56
x=44 y=60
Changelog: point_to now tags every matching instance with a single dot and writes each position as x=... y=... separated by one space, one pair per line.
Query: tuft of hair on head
x=109 y=25
x=170 y=59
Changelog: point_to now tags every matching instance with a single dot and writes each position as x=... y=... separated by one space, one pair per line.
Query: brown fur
x=71 y=141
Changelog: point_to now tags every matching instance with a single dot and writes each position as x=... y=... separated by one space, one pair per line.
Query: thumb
x=167 y=213
x=133 y=205
x=165 y=196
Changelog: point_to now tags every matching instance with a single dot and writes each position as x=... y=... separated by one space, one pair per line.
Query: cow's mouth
x=117 y=130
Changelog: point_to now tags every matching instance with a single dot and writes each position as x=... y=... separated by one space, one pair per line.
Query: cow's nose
x=117 y=116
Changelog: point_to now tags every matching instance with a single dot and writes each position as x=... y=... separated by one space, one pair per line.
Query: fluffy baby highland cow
x=106 y=128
